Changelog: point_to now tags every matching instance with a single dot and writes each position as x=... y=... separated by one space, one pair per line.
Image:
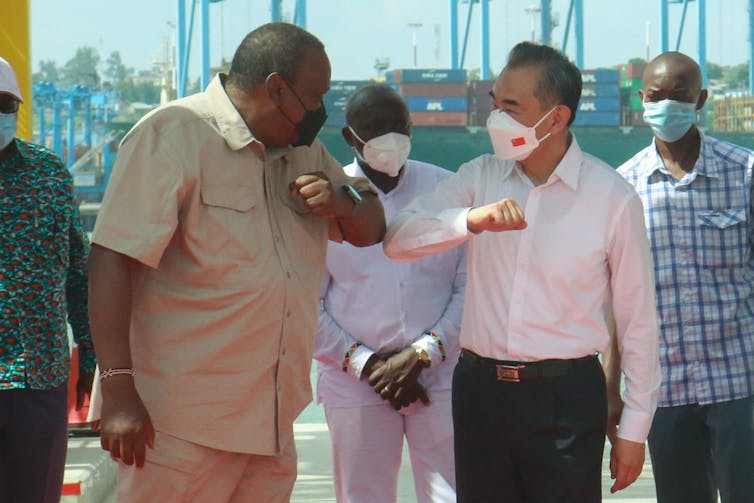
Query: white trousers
x=367 y=445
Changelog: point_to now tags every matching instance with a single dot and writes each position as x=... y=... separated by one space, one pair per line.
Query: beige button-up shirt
x=225 y=305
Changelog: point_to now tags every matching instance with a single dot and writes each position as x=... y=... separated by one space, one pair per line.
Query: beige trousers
x=177 y=471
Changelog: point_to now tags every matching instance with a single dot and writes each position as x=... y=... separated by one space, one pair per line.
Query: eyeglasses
x=8 y=105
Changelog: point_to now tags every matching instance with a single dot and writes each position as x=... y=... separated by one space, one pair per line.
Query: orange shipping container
x=439 y=119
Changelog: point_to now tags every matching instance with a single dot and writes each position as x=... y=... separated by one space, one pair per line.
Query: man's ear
x=560 y=115
x=274 y=84
x=703 y=95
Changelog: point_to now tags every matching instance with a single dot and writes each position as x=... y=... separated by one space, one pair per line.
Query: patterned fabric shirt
x=701 y=231
x=43 y=253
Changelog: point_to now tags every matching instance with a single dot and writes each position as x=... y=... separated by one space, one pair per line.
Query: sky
x=356 y=32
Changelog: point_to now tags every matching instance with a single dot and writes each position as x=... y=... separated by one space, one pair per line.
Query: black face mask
x=310 y=125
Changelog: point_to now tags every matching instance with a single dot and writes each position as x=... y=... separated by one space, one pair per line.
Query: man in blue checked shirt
x=697 y=195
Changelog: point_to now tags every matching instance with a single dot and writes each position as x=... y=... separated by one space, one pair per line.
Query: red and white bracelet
x=104 y=374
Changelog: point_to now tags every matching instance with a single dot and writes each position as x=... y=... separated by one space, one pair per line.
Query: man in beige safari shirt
x=205 y=269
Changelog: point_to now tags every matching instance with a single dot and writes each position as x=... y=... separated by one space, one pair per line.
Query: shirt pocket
x=33 y=233
x=228 y=220
x=724 y=237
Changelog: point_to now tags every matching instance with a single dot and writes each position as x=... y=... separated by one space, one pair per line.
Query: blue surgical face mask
x=669 y=119
x=8 y=126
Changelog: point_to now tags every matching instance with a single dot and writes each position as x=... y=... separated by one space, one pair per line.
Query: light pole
x=533 y=9
x=415 y=26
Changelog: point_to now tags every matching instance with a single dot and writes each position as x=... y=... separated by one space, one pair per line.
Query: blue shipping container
x=605 y=76
x=336 y=101
x=597 y=119
x=437 y=104
x=414 y=75
x=600 y=91
x=347 y=86
x=599 y=105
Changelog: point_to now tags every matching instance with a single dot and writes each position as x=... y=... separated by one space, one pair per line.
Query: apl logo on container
x=588 y=106
x=435 y=106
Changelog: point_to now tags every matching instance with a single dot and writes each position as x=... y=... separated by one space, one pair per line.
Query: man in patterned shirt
x=697 y=200
x=42 y=278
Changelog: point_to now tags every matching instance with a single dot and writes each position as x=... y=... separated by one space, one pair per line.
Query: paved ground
x=314 y=484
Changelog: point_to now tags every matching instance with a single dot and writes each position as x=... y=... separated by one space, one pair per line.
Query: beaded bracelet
x=349 y=353
x=104 y=374
x=437 y=341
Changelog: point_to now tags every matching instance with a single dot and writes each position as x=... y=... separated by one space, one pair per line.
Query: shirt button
x=288 y=313
x=283 y=351
x=288 y=273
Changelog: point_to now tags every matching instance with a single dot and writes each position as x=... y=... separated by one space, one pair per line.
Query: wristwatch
x=423 y=357
x=353 y=194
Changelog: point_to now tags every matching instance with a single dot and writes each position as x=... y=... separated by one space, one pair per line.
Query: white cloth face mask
x=386 y=153
x=511 y=140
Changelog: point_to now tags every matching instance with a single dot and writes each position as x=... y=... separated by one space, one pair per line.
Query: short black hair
x=273 y=47
x=559 y=81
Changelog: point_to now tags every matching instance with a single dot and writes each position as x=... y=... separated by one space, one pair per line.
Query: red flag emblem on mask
x=517 y=142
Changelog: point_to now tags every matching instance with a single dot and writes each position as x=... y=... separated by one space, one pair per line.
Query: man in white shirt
x=529 y=398
x=387 y=338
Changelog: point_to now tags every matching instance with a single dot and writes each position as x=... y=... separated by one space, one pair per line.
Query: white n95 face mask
x=511 y=140
x=386 y=153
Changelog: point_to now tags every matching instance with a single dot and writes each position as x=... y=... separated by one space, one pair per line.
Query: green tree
x=115 y=70
x=132 y=92
x=82 y=68
x=715 y=71
x=48 y=72
x=637 y=61
x=737 y=77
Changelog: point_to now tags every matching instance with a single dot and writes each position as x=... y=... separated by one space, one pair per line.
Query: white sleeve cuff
x=432 y=346
x=634 y=425
x=354 y=364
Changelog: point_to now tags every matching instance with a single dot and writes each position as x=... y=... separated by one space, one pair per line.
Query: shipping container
x=597 y=119
x=480 y=87
x=636 y=118
x=633 y=71
x=459 y=119
x=600 y=91
x=347 y=86
x=335 y=102
x=599 y=105
x=601 y=76
x=428 y=75
x=409 y=90
x=437 y=104
x=629 y=97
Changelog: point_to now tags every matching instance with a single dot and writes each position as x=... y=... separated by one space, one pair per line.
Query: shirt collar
x=567 y=170
x=569 y=167
x=232 y=127
x=706 y=164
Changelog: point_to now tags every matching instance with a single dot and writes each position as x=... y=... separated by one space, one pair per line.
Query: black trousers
x=33 y=443
x=536 y=441
x=700 y=450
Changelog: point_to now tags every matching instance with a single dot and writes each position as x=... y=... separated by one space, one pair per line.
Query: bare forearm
x=366 y=225
x=110 y=306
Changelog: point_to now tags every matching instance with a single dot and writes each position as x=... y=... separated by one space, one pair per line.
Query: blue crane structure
x=576 y=13
x=574 y=16
x=85 y=116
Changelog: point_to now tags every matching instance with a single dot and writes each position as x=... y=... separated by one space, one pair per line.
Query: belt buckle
x=508 y=373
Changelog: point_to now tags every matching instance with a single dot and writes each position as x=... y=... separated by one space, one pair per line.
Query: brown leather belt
x=509 y=371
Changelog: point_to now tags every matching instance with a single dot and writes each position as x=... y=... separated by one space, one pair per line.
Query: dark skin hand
x=396 y=379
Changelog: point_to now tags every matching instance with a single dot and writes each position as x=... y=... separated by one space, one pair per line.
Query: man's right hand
x=125 y=427
x=504 y=215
